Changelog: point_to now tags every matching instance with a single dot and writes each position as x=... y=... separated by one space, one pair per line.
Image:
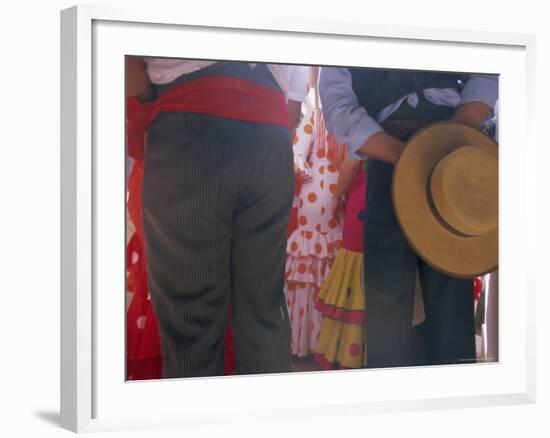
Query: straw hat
x=445 y=195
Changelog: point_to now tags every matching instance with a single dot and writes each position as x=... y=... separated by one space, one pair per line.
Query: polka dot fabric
x=143 y=354
x=312 y=247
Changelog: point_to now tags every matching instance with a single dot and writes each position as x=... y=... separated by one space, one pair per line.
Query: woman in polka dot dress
x=311 y=248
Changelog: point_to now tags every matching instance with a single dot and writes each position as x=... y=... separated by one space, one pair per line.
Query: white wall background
x=29 y=216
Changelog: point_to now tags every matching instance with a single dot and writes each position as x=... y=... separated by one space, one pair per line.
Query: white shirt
x=297 y=82
x=289 y=78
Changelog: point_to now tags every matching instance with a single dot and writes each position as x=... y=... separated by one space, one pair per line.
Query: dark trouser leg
x=447 y=336
x=204 y=217
x=390 y=272
x=188 y=234
x=260 y=318
x=448 y=333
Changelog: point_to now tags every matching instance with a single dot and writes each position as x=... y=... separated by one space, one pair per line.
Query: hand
x=337 y=207
x=471 y=114
x=301 y=167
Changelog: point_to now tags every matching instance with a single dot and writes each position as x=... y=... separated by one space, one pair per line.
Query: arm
x=137 y=80
x=294 y=111
x=477 y=100
x=297 y=89
x=384 y=147
x=350 y=123
x=303 y=137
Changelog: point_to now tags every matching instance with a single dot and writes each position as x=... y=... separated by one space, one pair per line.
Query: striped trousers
x=216 y=201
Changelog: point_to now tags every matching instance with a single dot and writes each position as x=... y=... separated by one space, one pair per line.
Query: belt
x=403 y=129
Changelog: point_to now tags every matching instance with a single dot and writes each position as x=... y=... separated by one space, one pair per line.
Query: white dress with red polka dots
x=312 y=247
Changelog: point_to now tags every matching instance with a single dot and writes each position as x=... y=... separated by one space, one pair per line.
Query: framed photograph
x=97 y=392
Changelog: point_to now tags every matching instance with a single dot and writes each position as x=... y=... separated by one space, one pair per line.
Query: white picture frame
x=94 y=396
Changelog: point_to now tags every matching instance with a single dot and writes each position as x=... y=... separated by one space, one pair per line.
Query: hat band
x=436 y=213
x=462 y=189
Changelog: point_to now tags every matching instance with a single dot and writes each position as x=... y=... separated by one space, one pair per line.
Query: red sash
x=222 y=96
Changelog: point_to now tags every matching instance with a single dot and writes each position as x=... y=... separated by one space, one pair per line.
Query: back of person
x=375 y=112
x=217 y=190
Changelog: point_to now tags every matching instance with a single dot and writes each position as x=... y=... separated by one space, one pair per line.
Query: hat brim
x=436 y=244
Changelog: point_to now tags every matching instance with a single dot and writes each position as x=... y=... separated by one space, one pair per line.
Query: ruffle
x=340 y=345
x=310 y=255
x=305 y=320
x=342 y=294
x=309 y=258
x=306 y=270
x=302 y=243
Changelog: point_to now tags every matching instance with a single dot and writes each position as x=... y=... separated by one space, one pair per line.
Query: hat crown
x=464 y=190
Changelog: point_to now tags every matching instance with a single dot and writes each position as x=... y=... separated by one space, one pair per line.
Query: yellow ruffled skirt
x=341 y=300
